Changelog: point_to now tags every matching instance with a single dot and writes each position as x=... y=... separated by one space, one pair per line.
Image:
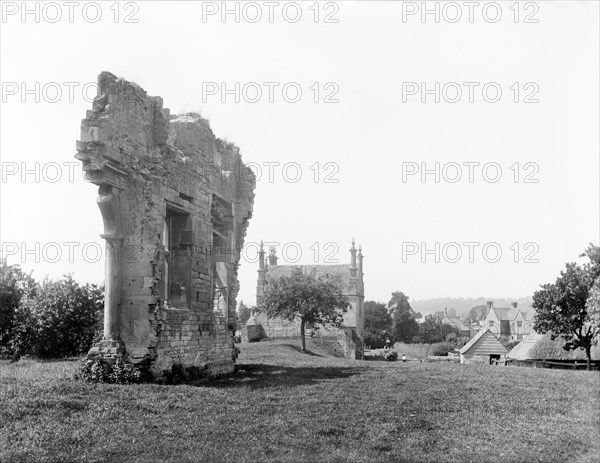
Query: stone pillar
x=112 y=287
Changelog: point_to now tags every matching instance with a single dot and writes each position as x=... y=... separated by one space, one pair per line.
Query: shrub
x=509 y=345
x=442 y=348
x=15 y=286
x=119 y=372
x=60 y=320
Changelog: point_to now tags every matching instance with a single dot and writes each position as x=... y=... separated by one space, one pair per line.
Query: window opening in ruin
x=185 y=197
x=177 y=242
x=221 y=215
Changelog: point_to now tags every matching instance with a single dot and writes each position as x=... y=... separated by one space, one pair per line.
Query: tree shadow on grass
x=259 y=375
x=299 y=349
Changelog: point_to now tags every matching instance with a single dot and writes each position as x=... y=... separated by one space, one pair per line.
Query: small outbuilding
x=541 y=351
x=485 y=347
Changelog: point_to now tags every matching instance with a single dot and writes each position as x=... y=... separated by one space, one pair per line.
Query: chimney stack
x=514 y=304
x=490 y=304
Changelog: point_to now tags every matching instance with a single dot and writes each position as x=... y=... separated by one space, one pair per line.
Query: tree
x=432 y=330
x=309 y=297
x=405 y=324
x=568 y=308
x=244 y=312
x=15 y=286
x=478 y=313
x=377 y=316
x=378 y=323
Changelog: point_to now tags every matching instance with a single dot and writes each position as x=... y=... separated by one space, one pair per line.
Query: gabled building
x=350 y=277
x=457 y=323
x=509 y=322
x=485 y=347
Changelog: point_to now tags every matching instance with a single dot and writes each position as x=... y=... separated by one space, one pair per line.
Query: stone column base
x=107 y=349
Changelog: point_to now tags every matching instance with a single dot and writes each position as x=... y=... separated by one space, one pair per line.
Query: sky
x=460 y=148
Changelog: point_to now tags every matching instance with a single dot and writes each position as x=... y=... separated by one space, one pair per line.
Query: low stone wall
x=184 y=337
x=341 y=342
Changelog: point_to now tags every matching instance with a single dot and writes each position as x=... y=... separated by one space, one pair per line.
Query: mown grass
x=284 y=405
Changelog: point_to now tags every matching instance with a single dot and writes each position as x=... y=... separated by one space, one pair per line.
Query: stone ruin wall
x=175 y=202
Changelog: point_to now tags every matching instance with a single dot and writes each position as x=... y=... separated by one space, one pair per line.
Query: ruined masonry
x=175 y=202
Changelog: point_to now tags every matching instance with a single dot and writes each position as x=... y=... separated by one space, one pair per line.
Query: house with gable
x=510 y=323
x=457 y=322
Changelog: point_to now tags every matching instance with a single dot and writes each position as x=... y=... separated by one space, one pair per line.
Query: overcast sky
x=350 y=163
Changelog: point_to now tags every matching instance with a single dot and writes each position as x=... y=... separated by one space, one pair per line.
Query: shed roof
x=485 y=336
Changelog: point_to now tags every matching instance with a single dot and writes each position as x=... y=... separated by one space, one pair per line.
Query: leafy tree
x=244 y=312
x=377 y=316
x=568 y=308
x=375 y=338
x=405 y=324
x=432 y=330
x=378 y=323
x=442 y=348
x=309 y=297
x=478 y=313
x=15 y=286
x=60 y=320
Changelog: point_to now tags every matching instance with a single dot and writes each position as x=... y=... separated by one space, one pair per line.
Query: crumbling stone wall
x=175 y=202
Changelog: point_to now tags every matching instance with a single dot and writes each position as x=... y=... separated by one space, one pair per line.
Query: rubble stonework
x=175 y=217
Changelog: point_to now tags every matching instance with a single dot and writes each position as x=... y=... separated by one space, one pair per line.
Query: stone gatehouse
x=349 y=338
x=175 y=203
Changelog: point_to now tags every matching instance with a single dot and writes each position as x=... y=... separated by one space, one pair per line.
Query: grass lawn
x=284 y=405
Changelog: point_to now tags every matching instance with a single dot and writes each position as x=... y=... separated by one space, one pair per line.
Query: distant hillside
x=463 y=305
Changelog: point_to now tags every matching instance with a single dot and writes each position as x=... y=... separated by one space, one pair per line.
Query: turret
x=353 y=255
x=261 y=257
x=260 y=284
x=272 y=256
x=360 y=271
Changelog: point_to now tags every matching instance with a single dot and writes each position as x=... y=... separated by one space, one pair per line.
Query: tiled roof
x=510 y=313
x=505 y=313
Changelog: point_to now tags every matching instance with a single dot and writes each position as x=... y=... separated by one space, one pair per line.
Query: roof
x=510 y=313
x=485 y=332
x=541 y=347
x=504 y=313
x=342 y=271
x=522 y=351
